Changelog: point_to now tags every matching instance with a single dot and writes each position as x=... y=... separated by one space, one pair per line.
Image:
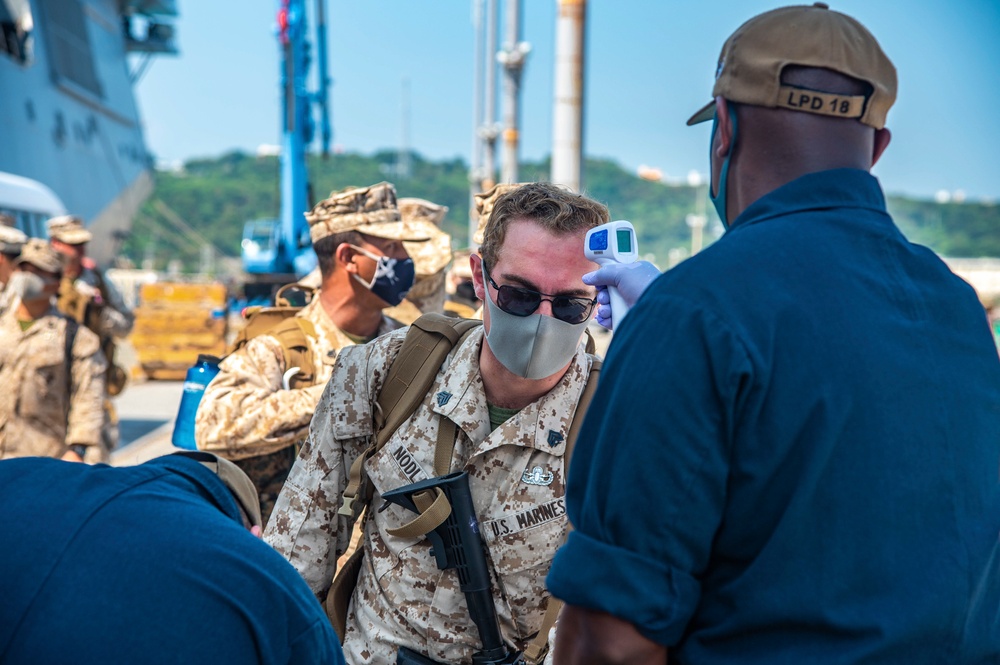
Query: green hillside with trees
x=208 y=201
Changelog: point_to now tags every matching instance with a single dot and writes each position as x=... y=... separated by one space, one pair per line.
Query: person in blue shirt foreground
x=792 y=455
x=156 y=563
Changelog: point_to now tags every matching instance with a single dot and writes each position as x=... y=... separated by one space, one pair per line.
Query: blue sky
x=650 y=66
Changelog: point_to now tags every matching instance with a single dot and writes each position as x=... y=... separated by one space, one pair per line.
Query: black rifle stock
x=457 y=544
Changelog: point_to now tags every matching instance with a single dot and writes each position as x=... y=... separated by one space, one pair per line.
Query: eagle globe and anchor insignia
x=537 y=476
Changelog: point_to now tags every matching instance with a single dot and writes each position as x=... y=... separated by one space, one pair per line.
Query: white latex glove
x=631 y=279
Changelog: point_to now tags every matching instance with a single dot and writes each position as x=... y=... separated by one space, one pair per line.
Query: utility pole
x=567 y=123
x=489 y=130
x=476 y=164
x=482 y=174
x=513 y=58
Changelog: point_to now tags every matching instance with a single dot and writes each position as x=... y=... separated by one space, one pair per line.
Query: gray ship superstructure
x=68 y=115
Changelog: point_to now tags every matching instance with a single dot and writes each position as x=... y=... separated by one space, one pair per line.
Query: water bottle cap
x=208 y=358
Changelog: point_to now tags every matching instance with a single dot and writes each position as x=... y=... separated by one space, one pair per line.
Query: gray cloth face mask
x=535 y=346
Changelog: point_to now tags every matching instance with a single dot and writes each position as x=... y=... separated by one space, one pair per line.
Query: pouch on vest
x=292 y=332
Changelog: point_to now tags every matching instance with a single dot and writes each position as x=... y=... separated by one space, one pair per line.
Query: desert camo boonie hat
x=752 y=60
x=40 y=254
x=11 y=237
x=484 y=206
x=433 y=256
x=69 y=229
x=234 y=478
x=369 y=210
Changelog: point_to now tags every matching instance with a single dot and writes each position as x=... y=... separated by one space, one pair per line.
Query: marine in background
x=461 y=299
x=460 y=291
x=11 y=241
x=254 y=412
x=92 y=300
x=51 y=368
x=431 y=259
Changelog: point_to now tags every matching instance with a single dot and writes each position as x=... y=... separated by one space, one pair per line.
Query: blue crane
x=278 y=251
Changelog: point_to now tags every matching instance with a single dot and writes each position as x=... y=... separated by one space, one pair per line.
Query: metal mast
x=489 y=130
x=513 y=58
x=567 y=123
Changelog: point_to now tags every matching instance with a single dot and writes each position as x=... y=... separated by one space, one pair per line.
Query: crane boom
x=277 y=251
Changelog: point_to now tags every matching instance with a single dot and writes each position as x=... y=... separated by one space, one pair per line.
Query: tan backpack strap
x=581 y=407
x=338 y=598
x=591 y=347
x=433 y=506
x=534 y=653
x=445 y=447
x=428 y=342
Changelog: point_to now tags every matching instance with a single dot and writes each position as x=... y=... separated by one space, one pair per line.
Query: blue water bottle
x=197 y=379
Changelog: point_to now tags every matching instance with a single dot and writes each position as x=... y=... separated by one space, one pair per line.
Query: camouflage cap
x=40 y=254
x=433 y=256
x=369 y=210
x=484 y=206
x=462 y=268
x=11 y=237
x=413 y=209
x=235 y=479
x=69 y=229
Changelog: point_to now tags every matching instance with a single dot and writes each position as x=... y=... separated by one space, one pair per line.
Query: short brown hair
x=326 y=249
x=553 y=207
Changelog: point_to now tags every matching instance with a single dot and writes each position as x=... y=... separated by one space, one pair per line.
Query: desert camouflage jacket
x=247 y=412
x=517 y=477
x=42 y=409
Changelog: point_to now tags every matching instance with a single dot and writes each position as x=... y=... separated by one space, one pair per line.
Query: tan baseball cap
x=369 y=210
x=40 y=254
x=434 y=255
x=484 y=206
x=69 y=229
x=234 y=478
x=754 y=56
x=11 y=237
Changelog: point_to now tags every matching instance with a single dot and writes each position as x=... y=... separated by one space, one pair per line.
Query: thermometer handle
x=618 y=307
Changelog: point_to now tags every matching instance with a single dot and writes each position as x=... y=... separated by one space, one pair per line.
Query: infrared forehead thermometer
x=609 y=243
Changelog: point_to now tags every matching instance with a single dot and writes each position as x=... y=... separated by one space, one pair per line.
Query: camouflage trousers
x=268 y=473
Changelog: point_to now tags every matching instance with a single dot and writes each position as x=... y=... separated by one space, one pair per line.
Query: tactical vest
x=87 y=312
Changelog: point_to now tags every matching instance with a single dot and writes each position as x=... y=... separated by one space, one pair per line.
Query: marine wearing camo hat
x=430 y=259
x=11 y=241
x=370 y=210
x=251 y=413
x=92 y=300
x=484 y=206
x=52 y=404
x=11 y=237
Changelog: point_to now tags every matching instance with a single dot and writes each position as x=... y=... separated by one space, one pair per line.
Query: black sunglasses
x=523 y=302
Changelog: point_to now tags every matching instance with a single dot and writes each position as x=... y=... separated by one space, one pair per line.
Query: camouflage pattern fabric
x=246 y=413
x=518 y=486
x=42 y=410
x=268 y=473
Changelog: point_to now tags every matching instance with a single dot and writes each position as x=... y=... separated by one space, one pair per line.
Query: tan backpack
x=292 y=332
x=428 y=342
